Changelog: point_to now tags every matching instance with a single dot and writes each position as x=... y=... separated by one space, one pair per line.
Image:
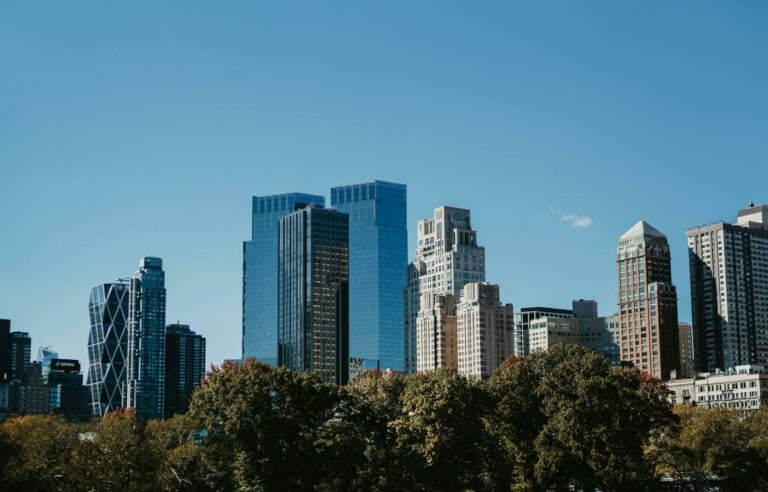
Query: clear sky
x=143 y=128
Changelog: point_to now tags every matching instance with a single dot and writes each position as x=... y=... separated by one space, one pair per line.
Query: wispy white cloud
x=574 y=220
x=580 y=221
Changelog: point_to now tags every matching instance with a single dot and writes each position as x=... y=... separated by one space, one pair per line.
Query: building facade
x=146 y=341
x=259 y=337
x=523 y=321
x=687 y=367
x=108 y=346
x=21 y=354
x=5 y=350
x=313 y=293
x=743 y=388
x=68 y=395
x=647 y=302
x=729 y=291
x=484 y=330
x=447 y=258
x=378 y=258
x=184 y=367
x=436 y=333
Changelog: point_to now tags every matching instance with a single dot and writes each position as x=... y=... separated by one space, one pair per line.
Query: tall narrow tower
x=108 y=346
x=146 y=340
x=260 y=272
x=378 y=259
x=313 y=293
x=647 y=302
x=447 y=258
x=729 y=291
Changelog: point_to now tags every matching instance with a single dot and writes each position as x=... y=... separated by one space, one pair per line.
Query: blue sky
x=143 y=128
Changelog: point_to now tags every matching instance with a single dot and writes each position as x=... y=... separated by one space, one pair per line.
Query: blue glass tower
x=260 y=273
x=378 y=262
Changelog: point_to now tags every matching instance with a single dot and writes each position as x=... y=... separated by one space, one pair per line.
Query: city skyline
x=121 y=137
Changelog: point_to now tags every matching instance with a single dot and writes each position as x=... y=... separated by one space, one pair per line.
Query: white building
x=447 y=258
x=436 y=340
x=742 y=388
x=546 y=332
x=485 y=330
x=729 y=291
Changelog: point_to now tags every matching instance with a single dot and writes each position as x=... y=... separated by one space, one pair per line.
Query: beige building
x=742 y=388
x=546 y=332
x=647 y=302
x=436 y=338
x=447 y=258
x=485 y=330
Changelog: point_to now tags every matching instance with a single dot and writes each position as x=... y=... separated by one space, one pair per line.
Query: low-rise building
x=742 y=388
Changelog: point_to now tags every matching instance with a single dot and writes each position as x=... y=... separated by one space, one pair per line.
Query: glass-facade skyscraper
x=108 y=346
x=146 y=341
x=313 y=289
x=378 y=259
x=260 y=273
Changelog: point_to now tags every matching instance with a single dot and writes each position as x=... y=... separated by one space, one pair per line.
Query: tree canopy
x=557 y=420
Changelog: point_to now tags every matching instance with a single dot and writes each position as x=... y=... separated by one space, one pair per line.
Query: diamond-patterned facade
x=108 y=346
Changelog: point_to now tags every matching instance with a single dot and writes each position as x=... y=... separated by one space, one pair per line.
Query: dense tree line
x=562 y=420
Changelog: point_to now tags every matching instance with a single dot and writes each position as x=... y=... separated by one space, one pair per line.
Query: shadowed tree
x=261 y=425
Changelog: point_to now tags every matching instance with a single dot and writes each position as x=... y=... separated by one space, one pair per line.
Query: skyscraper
x=5 y=350
x=729 y=291
x=146 y=340
x=108 y=346
x=447 y=258
x=260 y=273
x=378 y=258
x=184 y=367
x=647 y=302
x=21 y=354
x=313 y=297
x=484 y=328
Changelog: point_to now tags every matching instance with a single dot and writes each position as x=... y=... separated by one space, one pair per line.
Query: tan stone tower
x=647 y=302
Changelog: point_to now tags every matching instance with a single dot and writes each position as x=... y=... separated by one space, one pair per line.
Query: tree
x=261 y=426
x=38 y=450
x=565 y=418
x=116 y=456
x=175 y=445
x=439 y=433
x=715 y=446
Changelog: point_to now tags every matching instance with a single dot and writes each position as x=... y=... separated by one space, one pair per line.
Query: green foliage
x=717 y=446
x=561 y=420
x=263 y=426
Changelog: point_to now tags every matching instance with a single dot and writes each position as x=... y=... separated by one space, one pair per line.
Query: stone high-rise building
x=436 y=336
x=729 y=291
x=647 y=302
x=484 y=330
x=447 y=258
